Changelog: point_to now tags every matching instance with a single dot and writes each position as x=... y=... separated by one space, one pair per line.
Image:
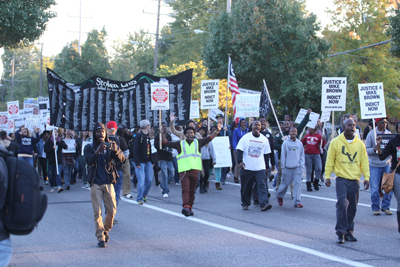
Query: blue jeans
x=375 y=179
x=68 y=174
x=167 y=173
x=118 y=185
x=55 y=180
x=175 y=162
x=144 y=176
x=27 y=159
x=5 y=252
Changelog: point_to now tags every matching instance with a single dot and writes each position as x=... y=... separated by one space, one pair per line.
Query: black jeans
x=347 y=193
x=247 y=180
x=43 y=164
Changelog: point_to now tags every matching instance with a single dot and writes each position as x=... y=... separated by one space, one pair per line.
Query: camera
x=108 y=144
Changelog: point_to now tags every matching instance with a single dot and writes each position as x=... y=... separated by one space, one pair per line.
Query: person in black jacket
x=8 y=144
x=102 y=176
x=143 y=161
x=49 y=149
x=5 y=242
x=392 y=149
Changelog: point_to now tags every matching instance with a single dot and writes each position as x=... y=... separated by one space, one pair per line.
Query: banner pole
x=323 y=133
x=55 y=150
x=160 y=126
x=333 y=124
x=226 y=96
x=373 y=125
x=272 y=106
x=208 y=121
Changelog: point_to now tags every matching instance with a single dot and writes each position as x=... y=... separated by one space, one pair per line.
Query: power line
x=368 y=46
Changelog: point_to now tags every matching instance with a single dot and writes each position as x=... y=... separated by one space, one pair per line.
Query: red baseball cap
x=378 y=119
x=112 y=124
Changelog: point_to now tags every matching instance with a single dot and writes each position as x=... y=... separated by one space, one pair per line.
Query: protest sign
x=159 y=96
x=326 y=114
x=313 y=120
x=194 y=109
x=31 y=103
x=385 y=139
x=3 y=120
x=301 y=115
x=248 y=105
x=209 y=94
x=20 y=120
x=213 y=113
x=13 y=109
x=248 y=91
x=84 y=143
x=222 y=151
x=372 y=100
x=44 y=105
x=333 y=95
x=71 y=146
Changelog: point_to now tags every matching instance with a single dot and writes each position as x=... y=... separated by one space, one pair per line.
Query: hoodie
x=347 y=160
x=373 y=155
x=101 y=166
x=49 y=150
x=238 y=133
x=292 y=154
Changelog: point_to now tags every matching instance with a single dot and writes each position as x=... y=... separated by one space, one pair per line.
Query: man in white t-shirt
x=252 y=151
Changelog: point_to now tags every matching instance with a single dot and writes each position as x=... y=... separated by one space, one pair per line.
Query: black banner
x=265 y=104
x=80 y=106
x=385 y=139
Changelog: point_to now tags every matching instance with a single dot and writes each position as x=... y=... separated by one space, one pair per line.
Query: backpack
x=25 y=204
x=131 y=146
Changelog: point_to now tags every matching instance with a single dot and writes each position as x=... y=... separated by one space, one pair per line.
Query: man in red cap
x=377 y=169
x=111 y=131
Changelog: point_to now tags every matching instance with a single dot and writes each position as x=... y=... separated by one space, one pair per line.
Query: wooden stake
x=160 y=126
x=333 y=124
x=373 y=125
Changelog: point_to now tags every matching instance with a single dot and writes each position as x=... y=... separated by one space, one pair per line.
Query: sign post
x=160 y=101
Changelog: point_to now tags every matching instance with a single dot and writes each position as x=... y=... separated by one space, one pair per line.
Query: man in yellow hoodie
x=348 y=159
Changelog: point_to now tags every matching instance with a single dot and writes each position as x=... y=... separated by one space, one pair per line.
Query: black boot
x=316 y=185
x=398 y=220
x=201 y=189
x=308 y=186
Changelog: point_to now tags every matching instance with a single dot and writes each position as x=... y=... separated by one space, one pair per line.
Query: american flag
x=232 y=85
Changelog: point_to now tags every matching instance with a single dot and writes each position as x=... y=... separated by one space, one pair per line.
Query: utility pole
x=41 y=69
x=80 y=27
x=228 y=6
x=12 y=77
x=156 y=47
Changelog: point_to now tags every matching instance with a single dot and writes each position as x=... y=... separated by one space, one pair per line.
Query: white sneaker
x=128 y=196
x=46 y=182
x=165 y=195
x=87 y=185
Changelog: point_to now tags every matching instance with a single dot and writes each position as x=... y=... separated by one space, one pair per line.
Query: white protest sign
x=48 y=126
x=301 y=115
x=71 y=146
x=31 y=103
x=194 y=109
x=209 y=94
x=372 y=100
x=44 y=105
x=313 y=120
x=13 y=109
x=20 y=120
x=248 y=91
x=326 y=115
x=84 y=143
x=333 y=95
x=4 y=120
x=248 y=105
x=222 y=151
x=213 y=114
x=159 y=96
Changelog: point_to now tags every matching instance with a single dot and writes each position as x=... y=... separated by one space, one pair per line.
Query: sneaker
x=59 y=190
x=376 y=212
x=52 y=190
x=178 y=184
x=186 y=211
x=245 y=207
x=165 y=195
x=298 y=205
x=280 y=201
x=46 y=182
x=139 y=202
x=101 y=244
x=236 y=180
x=266 y=206
x=256 y=203
x=350 y=238
x=87 y=185
x=145 y=199
x=387 y=211
x=128 y=196
x=67 y=188
x=271 y=178
x=83 y=186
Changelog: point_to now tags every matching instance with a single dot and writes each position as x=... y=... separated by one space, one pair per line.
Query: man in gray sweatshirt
x=378 y=168
x=292 y=162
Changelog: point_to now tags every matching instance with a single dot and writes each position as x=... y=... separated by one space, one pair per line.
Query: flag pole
x=226 y=96
x=272 y=106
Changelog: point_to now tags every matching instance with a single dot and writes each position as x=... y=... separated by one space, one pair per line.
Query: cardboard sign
x=84 y=143
x=372 y=100
x=71 y=146
x=159 y=96
x=194 y=109
x=13 y=109
x=385 y=139
x=221 y=147
x=326 y=115
x=333 y=97
x=209 y=94
x=248 y=105
x=213 y=114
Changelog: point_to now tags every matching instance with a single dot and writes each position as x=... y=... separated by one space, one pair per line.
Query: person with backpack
x=27 y=143
x=5 y=242
x=55 y=145
x=102 y=176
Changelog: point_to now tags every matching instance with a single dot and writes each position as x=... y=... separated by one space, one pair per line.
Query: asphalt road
x=219 y=234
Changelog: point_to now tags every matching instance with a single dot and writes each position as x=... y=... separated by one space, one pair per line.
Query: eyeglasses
x=383 y=122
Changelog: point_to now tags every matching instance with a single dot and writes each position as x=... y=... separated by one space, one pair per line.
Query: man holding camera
x=165 y=160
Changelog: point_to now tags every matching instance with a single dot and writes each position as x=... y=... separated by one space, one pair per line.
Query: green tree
x=23 y=21
x=272 y=40
x=357 y=23
x=68 y=64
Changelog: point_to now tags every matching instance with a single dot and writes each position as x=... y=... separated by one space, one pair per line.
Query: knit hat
x=378 y=119
x=111 y=125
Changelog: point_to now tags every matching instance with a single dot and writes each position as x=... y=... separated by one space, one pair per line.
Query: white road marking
x=310 y=196
x=255 y=236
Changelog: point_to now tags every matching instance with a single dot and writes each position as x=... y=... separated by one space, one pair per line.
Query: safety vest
x=190 y=157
